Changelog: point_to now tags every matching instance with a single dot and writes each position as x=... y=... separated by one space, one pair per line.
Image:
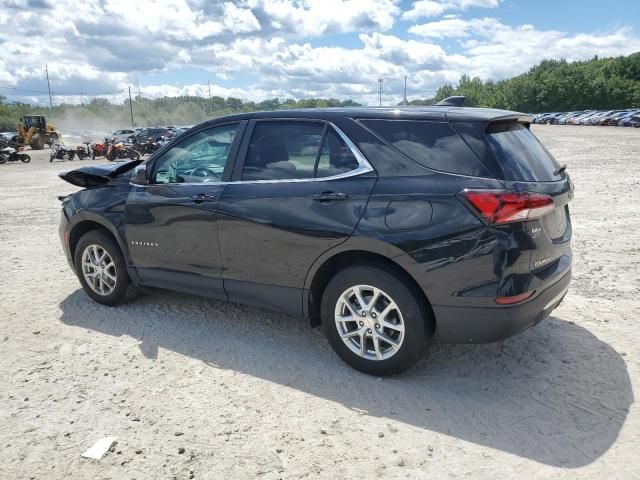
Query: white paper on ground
x=99 y=448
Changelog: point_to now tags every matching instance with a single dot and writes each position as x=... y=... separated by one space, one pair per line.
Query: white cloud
x=449 y=27
x=316 y=17
x=271 y=48
x=434 y=8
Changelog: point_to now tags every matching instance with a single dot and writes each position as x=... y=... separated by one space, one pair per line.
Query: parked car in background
x=123 y=134
x=625 y=121
x=620 y=117
x=154 y=133
x=8 y=136
x=382 y=225
x=565 y=120
x=604 y=120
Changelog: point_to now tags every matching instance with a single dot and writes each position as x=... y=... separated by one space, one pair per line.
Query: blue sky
x=257 y=49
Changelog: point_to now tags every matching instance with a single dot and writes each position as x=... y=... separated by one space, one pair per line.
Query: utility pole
x=405 y=91
x=380 y=80
x=131 y=107
x=46 y=69
x=210 y=104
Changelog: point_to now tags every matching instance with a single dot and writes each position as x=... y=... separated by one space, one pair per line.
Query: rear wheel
x=375 y=321
x=24 y=158
x=3 y=159
x=132 y=154
x=101 y=269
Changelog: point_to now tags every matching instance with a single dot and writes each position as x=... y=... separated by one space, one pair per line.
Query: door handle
x=330 y=196
x=202 y=197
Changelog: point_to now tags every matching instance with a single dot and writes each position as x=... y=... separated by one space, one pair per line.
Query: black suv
x=390 y=227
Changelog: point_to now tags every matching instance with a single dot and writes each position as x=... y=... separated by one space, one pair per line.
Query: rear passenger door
x=298 y=189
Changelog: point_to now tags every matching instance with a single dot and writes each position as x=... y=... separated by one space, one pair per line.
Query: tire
x=37 y=142
x=121 y=289
x=3 y=159
x=24 y=158
x=132 y=154
x=411 y=312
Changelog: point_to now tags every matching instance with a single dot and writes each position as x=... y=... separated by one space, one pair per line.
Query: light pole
x=405 y=90
x=380 y=80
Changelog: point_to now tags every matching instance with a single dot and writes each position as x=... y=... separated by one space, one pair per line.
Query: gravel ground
x=196 y=388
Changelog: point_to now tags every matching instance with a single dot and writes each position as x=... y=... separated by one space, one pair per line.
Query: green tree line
x=99 y=113
x=555 y=86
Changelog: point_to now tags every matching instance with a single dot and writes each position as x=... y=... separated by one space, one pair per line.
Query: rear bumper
x=490 y=324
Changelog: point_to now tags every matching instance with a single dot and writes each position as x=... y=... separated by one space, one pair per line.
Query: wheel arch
x=318 y=280
x=87 y=225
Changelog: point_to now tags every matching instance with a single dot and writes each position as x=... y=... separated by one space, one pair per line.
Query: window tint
x=520 y=154
x=199 y=158
x=283 y=150
x=434 y=145
x=335 y=156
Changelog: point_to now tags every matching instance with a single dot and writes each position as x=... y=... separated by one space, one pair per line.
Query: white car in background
x=122 y=135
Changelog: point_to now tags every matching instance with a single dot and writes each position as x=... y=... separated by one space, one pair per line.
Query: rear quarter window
x=435 y=145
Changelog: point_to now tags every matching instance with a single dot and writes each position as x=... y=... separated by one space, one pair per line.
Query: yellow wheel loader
x=33 y=130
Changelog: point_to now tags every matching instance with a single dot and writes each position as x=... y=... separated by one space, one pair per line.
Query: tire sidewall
x=417 y=335
x=97 y=237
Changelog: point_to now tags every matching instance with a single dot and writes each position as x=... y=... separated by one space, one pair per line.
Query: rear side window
x=289 y=150
x=520 y=154
x=434 y=145
x=283 y=150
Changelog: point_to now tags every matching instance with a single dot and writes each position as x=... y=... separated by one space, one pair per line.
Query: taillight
x=499 y=206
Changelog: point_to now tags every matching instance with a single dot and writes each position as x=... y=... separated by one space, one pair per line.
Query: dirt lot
x=247 y=393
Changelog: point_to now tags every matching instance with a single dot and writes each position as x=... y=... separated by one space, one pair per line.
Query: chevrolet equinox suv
x=389 y=227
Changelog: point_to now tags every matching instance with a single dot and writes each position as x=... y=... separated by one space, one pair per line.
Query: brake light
x=498 y=206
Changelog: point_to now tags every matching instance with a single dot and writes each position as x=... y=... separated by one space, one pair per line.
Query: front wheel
x=375 y=320
x=24 y=158
x=101 y=269
x=3 y=159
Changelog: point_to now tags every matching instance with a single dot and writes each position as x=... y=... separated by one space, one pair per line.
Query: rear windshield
x=434 y=145
x=520 y=154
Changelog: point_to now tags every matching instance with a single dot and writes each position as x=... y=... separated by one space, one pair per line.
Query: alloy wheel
x=99 y=270
x=369 y=322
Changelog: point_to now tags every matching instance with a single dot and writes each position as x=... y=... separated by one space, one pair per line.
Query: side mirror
x=139 y=176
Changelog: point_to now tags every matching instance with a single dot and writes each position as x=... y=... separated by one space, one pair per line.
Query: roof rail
x=455 y=101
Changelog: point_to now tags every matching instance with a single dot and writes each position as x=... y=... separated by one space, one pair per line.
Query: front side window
x=200 y=158
x=287 y=150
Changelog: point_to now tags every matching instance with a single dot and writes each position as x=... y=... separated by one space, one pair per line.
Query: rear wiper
x=560 y=169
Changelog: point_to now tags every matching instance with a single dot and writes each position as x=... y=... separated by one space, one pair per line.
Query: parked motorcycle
x=98 y=149
x=147 y=147
x=10 y=154
x=59 y=152
x=116 y=151
x=84 y=152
